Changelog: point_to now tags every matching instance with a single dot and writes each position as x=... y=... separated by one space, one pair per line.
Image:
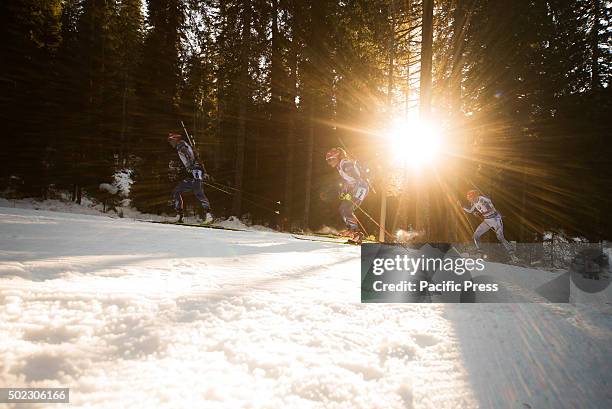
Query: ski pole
x=244 y=198
x=403 y=245
x=371 y=218
x=215 y=187
x=362 y=226
x=244 y=193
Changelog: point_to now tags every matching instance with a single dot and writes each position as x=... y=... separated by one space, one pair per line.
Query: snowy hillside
x=131 y=314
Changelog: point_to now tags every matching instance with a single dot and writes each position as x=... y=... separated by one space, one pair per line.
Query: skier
x=491 y=220
x=193 y=183
x=353 y=192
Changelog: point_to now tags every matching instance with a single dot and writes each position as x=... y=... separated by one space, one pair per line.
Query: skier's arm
x=469 y=210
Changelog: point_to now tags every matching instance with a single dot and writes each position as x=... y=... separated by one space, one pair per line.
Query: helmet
x=472 y=195
x=175 y=137
x=335 y=153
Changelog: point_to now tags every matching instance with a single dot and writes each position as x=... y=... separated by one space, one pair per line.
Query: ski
x=368 y=239
x=322 y=240
x=207 y=226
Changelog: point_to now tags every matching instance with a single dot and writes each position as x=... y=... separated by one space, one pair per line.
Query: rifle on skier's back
x=196 y=154
x=191 y=141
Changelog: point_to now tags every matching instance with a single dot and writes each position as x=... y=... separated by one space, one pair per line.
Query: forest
x=518 y=93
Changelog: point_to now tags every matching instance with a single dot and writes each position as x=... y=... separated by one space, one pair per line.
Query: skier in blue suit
x=192 y=183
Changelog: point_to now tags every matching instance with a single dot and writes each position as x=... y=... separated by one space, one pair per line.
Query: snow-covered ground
x=92 y=207
x=139 y=315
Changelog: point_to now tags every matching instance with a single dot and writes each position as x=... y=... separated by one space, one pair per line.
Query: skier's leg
x=480 y=230
x=347 y=209
x=205 y=214
x=358 y=195
x=181 y=188
x=498 y=227
x=199 y=194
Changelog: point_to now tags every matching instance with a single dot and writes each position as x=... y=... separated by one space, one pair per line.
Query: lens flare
x=414 y=143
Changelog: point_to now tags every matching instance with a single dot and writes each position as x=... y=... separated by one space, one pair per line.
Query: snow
x=327 y=230
x=134 y=314
x=123 y=181
x=53 y=205
x=91 y=207
x=105 y=187
x=233 y=222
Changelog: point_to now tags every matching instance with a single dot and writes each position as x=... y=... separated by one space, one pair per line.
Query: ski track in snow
x=130 y=314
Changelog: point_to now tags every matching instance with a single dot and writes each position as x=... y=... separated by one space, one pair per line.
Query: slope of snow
x=133 y=314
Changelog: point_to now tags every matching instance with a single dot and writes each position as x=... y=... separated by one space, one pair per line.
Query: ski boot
x=206 y=217
x=180 y=216
x=356 y=237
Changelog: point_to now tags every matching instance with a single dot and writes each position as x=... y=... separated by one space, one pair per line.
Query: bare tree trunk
x=123 y=148
x=317 y=58
x=459 y=29
x=423 y=221
x=595 y=82
x=390 y=84
x=408 y=39
x=291 y=114
x=275 y=68
x=523 y=217
x=309 y=149
x=391 y=77
x=244 y=97
x=596 y=86
x=426 y=60
x=406 y=193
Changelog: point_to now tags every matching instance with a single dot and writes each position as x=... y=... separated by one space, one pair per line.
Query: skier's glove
x=206 y=177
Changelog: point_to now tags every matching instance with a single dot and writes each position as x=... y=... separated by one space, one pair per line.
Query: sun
x=414 y=143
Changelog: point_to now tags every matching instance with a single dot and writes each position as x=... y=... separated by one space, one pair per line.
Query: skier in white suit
x=491 y=220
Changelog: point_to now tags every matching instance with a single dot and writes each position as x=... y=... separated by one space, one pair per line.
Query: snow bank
x=105 y=187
